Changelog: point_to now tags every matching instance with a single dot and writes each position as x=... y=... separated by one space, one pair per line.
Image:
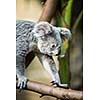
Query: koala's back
x=23 y=27
x=23 y=36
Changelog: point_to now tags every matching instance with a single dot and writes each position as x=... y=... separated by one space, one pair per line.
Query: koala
x=45 y=41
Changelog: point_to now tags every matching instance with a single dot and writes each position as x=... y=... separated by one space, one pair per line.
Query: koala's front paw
x=22 y=80
x=59 y=84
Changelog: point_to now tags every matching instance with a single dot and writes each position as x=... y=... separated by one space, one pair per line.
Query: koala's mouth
x=56 y=53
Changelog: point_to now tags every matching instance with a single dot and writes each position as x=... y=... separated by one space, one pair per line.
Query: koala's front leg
x=49 y=64
x=20 y=69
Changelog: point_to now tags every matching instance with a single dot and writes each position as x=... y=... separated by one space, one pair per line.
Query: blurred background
x=28 y=9
x=69 y=14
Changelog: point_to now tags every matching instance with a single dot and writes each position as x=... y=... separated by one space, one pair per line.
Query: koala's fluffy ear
x=41 y=29
x=65 y=33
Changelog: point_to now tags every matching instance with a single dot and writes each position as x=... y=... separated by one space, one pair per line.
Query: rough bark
x=57 y=92
x=49 y=10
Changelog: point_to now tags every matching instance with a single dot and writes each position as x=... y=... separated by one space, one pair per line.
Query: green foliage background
x=65 y=19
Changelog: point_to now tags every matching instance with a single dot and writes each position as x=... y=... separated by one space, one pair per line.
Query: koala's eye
x=53 y=45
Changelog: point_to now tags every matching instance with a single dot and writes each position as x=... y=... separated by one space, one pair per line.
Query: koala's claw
x=22 y=82
x=54 y=83
x=59 y=84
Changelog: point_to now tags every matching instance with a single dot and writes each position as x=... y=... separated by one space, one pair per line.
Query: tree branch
x=48 y=10
x=57 y=92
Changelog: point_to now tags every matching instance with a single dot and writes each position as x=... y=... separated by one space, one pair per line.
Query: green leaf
x=64 y=48
x=67 y=12
x=64 y=70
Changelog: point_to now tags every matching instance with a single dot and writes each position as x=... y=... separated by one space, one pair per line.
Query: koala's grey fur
x=42 y=38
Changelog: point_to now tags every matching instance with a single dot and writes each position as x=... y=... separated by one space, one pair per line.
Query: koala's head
x=49 y=38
